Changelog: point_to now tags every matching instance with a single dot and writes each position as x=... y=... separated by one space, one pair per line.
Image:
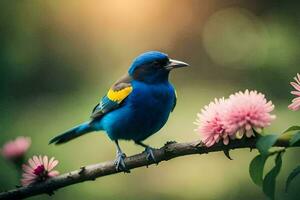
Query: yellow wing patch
x=119 y=95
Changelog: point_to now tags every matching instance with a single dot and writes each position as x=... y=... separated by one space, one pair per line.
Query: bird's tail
x=72 y=133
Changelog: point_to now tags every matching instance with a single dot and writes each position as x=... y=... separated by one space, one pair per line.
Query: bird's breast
x=150 y=108
x=153 y=98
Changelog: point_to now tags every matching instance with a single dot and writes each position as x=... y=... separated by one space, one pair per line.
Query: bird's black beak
x=175 y=64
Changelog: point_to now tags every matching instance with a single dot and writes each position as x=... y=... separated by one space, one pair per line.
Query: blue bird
x=135 y=107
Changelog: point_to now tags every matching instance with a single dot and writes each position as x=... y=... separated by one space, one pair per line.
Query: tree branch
x=91 y=172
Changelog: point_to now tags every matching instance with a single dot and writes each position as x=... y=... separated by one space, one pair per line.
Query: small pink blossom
x=210 y=123
x=246 y=112
x=295 y=105
x=38 y=169
x=16 y=149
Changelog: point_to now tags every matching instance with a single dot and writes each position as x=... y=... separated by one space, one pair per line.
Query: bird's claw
x=120 y=163
x=150 y=155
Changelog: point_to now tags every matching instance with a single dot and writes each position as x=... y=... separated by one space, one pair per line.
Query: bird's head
x=153 y=67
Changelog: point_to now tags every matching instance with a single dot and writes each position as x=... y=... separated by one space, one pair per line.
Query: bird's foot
x=150 y=155
x=120 y=162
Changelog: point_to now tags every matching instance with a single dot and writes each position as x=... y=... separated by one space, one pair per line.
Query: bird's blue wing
x=114 y=98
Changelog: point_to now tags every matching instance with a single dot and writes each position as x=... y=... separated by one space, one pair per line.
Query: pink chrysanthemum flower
x=246 y=112
x=210 y=123
x=15 y=149
x=38 y=169
x=296 y=101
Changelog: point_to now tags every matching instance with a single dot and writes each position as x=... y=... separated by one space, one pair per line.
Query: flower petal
x=32 y=163
x=36 y=161
x=226 y=141
x=53 y=164
x=41 y=159
x=50 y=162
x=53 y=173
x=297 y=93
x=25 y=175
x=294 y=106
x=296 y=86
x=45 y=162
x=27 y=169
x=27 y=181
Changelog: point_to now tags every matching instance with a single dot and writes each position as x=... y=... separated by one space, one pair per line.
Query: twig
x=91 y=172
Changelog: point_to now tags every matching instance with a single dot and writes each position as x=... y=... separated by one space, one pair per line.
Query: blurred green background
x=57 y=58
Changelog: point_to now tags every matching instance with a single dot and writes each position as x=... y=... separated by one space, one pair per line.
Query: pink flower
x=296 y=102
x=16 y=149
x=211 y=124
x=241 y=114
x=246 y=112
x=38 y=169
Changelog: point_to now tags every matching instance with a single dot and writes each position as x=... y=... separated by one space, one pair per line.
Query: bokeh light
x=235 y=37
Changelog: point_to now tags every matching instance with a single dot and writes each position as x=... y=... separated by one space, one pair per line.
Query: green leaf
x=265 y=143
x=291 y=177
x=256 y=169
x=295 y=138
x=269 y=183
x=292 y=128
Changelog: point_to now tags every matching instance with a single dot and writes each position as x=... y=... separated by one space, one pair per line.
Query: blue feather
x=145 y=59
x=72 y=133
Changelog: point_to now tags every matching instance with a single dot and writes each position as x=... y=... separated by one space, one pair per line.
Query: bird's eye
x=164 y=62
x=156 y=64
